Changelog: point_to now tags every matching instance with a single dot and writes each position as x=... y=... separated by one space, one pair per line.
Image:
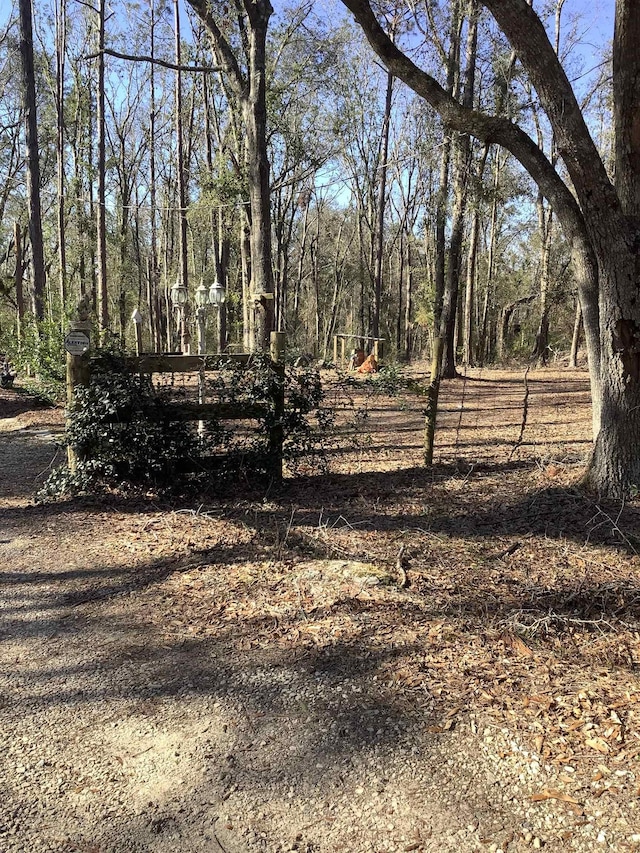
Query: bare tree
x=33 y=159
x=101 y=211
x=600 y=222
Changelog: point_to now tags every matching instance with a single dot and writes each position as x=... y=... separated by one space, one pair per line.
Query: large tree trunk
x=249 y=90
x=452 y=60
x=452 y=279
x=254 y=111
x=615 y=464
x=470 y=289
x=182 y=180
x=155 y=325
x=483 y=352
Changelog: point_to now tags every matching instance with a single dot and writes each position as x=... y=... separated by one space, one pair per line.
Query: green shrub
x=122 y=429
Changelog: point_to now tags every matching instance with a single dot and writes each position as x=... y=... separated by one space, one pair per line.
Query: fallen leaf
x=552 y=794
x=598 y=744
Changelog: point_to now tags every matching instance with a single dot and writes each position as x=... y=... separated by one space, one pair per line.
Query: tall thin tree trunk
x=442 y=200
x=545 y=223
x=93 y=216
x=182 y=187
x=483 y=352
x=301 y=259
x=32 y=157
x=575 y=340
x=61 y=47
x=472 y=264
x=408 y=305
x=245 y=262
x=222 y=271
x=78 y=184
x=462 y=159
x=338 y=267
x=154 y=279
x=439 y=249
x=362 y=325
x=401 y=287
x=315 y=277
x=103 y=296
x=18 y=277
x=257 y=162
x=382 y=194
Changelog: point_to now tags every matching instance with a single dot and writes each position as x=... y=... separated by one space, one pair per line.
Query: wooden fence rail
x=79 y=373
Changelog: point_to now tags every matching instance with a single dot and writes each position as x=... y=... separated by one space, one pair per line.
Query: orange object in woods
x=369 y=365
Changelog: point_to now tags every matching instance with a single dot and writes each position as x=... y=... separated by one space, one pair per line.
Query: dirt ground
x=382 y=658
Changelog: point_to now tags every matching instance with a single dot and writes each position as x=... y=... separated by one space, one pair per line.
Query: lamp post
x=137 y=322
x=202 y=300
x=217 y=296
x=179 y=295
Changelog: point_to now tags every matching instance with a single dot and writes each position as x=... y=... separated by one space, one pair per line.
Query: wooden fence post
x=432 y=400
x=276 y=434
x=76 y=343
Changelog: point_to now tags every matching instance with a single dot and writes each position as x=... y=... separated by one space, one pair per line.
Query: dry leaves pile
x=486 y=589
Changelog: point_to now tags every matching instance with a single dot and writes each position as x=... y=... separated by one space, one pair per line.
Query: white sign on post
x=76 y=343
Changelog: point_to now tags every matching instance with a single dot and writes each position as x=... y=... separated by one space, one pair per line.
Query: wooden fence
x=79 y=373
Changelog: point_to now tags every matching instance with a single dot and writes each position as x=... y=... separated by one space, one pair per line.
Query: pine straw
x=486 y=588
x=481 y=589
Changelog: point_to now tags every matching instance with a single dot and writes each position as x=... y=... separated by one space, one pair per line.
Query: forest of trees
x=272 y=151
x=144 y=177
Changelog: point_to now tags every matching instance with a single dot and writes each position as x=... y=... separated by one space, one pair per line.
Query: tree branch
x=221 y=47
x=204 y=69
x=528 y=37
x=489 y=129
x=500 y=131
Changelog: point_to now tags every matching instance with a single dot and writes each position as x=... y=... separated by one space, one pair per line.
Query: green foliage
x=305 y=423
x=389 y=381
x=119 y=426
x=122 y=429
x=42 y=350
x=40 y=353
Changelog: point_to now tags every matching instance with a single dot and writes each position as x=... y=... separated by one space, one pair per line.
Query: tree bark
x=545 y=228
x=248 y=86
x=442 y=199
x=575 y=339
x=18 y=277
x=32 y=156
x=180 y=168
x=462 y=149
x=472 y=256
x=61 y=38
x=382 y=196
x=101 y=224
x=155 y=327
